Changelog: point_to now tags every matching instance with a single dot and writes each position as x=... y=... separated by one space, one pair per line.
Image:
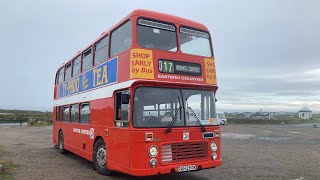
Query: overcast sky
x=267 y=52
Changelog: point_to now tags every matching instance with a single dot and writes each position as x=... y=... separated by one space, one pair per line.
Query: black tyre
x=100 y=157
x=61 y=143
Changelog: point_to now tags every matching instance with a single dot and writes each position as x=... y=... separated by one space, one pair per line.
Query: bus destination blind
x=178 y=67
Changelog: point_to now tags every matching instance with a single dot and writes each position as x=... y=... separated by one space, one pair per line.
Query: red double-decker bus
x=141 y=98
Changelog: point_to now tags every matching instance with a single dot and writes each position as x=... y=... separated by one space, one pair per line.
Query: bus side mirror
x=125 y=98
x=216 y=99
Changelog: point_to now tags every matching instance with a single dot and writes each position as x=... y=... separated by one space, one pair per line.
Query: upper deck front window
x=195 y=42
x=156 y=35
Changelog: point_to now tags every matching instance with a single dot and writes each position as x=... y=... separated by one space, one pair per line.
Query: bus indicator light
x=149 y=136
x=217 y=133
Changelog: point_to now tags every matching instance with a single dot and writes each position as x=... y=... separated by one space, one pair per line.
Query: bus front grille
x=183 y=151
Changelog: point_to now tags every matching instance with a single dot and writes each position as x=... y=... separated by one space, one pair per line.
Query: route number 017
x=166 y=66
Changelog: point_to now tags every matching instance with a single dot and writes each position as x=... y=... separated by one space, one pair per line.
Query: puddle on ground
x=237 y=136
x=293 y=132
x=248 y=136
x=273 y=139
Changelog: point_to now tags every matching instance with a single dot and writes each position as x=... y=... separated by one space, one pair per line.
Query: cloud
x=267 y=52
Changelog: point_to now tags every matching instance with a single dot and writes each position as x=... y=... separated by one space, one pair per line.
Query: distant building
x=305 y=113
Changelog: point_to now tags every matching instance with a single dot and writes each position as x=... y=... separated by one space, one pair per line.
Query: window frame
x=155 y=21
x=196 y=29
x=65 y=73
x=78 y=111
x=57 y=77
x=57 y=113
x=60 y=114
x=183 y=105
x=72 y=70
x=110 y=38
x=161 y=22
x=80 y=104
x=116 y=101
x=62 y=68
x=84 y=58
x=95 y=49
x=63 y=120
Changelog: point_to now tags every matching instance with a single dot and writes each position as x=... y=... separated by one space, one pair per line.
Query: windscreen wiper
x=203 y=129
x=168 y=130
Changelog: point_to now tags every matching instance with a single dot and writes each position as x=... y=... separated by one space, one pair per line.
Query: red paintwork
x=126 y=147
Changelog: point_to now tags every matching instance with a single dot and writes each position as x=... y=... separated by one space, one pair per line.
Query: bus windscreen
x=157 y=107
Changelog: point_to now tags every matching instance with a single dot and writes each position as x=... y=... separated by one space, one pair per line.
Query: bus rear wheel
x=61 y=143
x=100 y=158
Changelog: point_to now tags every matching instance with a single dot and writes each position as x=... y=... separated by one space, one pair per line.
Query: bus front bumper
x=173 y=168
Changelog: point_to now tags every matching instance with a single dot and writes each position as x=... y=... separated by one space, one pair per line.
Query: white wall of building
x=305 y=115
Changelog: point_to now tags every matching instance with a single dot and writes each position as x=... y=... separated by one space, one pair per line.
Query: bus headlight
x=153 y=162
x=153 y=151
x=213 y=146
x=214 y=155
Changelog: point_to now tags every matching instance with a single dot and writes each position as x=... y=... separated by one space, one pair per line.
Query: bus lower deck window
x=84 y=113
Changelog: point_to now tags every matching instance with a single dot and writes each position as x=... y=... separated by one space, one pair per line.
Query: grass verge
x=7 y=166
x=270 y=122
x=40 y=123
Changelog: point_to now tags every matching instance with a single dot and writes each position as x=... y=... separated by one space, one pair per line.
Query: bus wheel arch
x=61 y=142
x=99 y=158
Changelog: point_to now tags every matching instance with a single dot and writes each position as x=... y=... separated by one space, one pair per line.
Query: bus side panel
x=117 y=140
x=124 y=63
x=118 y=147
x=102 y=113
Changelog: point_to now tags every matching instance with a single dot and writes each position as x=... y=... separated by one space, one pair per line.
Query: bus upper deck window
x=121 y=39
x=195 y=42
x=61 y=75
x=76 y=66
x=156 y=35
x=68 y=71
x=86 y=60
x=101 y=51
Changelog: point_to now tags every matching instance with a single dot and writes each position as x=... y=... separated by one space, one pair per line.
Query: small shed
x=305 y=113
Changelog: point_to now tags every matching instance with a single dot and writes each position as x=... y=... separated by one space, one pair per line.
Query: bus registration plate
x=187 y=168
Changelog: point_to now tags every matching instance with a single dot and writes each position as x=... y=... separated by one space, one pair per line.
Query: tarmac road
x=249 y=152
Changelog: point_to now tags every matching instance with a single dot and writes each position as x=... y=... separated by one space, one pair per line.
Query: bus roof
x=168 y=18
x=148 y=14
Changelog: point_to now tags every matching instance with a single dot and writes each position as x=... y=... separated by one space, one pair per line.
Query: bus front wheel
x=61 y=143
x=100 y=157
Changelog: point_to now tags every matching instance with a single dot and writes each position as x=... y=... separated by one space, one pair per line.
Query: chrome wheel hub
x=101 y=156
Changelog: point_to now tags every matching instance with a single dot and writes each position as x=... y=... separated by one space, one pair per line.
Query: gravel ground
x=249 y=152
